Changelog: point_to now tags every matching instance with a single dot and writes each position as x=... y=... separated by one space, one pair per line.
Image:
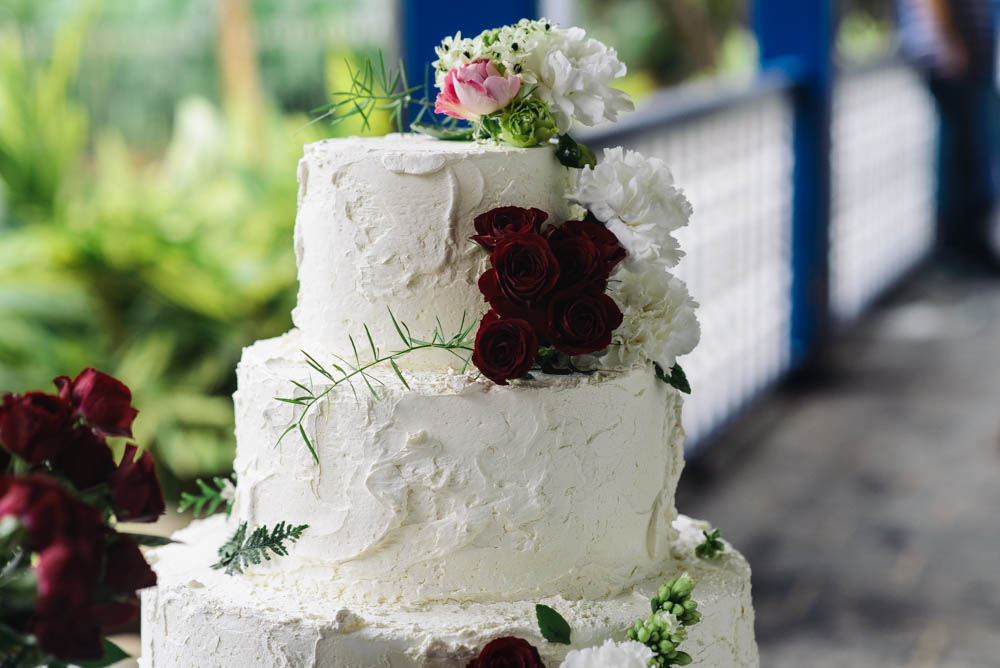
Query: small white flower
x=672 y=625
x=636 y=198
x=628 y=654
x=659 y=322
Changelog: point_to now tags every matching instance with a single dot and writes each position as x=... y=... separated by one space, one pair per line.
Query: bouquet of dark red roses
x=66 y=572
x=547 y=291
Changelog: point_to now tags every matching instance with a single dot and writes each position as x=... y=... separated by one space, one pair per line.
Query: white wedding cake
x=443 y=502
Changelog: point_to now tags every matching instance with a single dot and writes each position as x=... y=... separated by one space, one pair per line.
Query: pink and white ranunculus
x=473 y=90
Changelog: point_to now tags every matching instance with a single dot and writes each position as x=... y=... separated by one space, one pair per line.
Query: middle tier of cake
x=459 y=489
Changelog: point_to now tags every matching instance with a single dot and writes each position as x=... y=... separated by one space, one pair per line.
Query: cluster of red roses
x=507 y=651
x=67 y=487
x=545 y=288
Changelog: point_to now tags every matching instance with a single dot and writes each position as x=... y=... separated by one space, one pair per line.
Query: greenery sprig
x=712 y=547
x=673 y=610
x=376 y=87
x=343 y=371
x=676 y=378
x=217 y=492
x=240 y=551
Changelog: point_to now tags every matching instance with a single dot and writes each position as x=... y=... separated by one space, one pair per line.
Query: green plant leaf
x=112 y=654
x=148 y=540
x=240 y=551
x=443 y=132
x=552 y=625
x=572 y=154
x=677 y=378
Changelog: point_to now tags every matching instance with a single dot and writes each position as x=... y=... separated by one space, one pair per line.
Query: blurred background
x=844 y=421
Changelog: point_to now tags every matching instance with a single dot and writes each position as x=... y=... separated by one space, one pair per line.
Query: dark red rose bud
x=587 y=252
x=526 y=269
x=505 y=348
x=581 y=319
x=504 y=221
x=47 y=511
x=508 y=652
x=115 y=613
x=86 y=460
x=67 y=575
x=105 y=402
x=69 y=636
x=135 y=489
x=125 y=568
x=35 y=426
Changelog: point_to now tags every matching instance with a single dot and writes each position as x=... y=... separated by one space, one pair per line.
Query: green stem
x=361 y=370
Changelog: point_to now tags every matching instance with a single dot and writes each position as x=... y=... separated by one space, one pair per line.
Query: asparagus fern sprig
x=343 y=371
x=240 y=550
x=215 y=493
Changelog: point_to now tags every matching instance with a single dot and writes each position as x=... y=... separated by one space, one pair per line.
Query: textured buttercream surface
x=201 y=617
x=385 y=222
x=457 y=488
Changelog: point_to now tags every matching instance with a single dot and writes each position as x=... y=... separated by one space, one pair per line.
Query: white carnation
x=636 y=198
x=659 y=322
x=569 y=71
x=628 y=654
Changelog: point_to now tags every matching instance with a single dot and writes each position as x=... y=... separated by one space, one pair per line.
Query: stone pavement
x=868 y=502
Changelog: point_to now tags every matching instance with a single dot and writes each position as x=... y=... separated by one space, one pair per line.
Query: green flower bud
x=682 y=658
x=690 y=604
x=643 y=635
x=527 y=122
x=682 y=587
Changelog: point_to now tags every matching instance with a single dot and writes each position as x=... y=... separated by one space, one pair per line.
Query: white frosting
x=385 y=223
x=458 y=488
x=200 y=617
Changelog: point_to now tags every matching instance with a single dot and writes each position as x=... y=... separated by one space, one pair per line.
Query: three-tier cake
x=443 y=502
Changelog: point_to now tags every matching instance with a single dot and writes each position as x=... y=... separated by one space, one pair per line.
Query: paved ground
x=868 y=503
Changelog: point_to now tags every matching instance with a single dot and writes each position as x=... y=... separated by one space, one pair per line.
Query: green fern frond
x=240 y=551
x=217 y=493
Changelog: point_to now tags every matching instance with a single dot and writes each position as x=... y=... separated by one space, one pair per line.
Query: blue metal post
x=424 y=23
x=796 y=35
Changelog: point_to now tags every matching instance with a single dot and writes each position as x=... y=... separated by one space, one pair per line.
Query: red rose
x=524 y=270
x=112 y=614
x=106 y=403
x=508 y=652
x=125 y=568
x=135 y=489
x=35 y=426
x=586 y=250
x=581 y=319
x=504 y=221
x=69 y=636
x=47 y=511
x=86 y=460
x=67 y=575
x=505 y=348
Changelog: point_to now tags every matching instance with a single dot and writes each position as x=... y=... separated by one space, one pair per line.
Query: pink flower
x=476 y=89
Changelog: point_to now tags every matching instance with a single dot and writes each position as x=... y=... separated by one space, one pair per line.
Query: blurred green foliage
x=157 y=271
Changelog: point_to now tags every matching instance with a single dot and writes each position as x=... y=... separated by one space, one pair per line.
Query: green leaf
x=112 y=654
x=308 y=443
x=240 y=551
x=212 y=495
x=443 y=132
x=552 y=625
x=677 y=378
x=574 y=155
x=149 y=541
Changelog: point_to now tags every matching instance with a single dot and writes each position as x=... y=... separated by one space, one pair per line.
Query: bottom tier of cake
x=198 y=616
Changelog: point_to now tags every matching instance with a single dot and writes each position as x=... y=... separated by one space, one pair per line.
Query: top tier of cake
x=385 y=223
